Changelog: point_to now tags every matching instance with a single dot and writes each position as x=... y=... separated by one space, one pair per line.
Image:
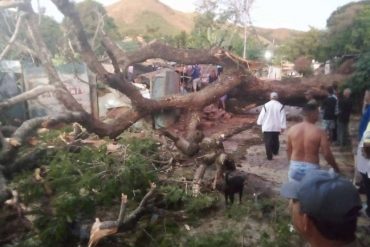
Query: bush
x=174 y=196
x=76 y=184
x=360 y=80
x=197 y=205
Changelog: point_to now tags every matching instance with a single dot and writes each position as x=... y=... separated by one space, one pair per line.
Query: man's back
x=328 y=107
x=272 y=116
x=345 y=108
x=304 y=139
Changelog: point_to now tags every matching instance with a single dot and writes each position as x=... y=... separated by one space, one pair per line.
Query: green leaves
x=349 y=29
x=360 y=81
x=348 y=32
x=76 y=185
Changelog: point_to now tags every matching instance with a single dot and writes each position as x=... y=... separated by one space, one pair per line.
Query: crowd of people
x=195 y=77
x=324 y=204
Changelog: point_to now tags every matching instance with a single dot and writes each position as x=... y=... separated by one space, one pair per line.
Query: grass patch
x=224 y=238
x=200 y=204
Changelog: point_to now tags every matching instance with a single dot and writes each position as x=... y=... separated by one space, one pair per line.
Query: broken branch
x=99 y=230
x=13 y=38
x=33 y=93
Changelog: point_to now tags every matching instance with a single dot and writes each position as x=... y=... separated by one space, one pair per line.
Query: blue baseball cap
x=325 y=196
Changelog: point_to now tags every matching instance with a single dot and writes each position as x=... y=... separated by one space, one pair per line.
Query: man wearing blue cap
x=324 y=208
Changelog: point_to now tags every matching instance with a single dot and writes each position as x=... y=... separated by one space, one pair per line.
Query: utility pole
x=245 y=17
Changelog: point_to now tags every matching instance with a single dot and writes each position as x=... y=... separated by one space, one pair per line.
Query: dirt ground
x=248 y=150
x=247 y=147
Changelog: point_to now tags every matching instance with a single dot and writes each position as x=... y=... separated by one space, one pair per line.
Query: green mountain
x=149 y=16
x=140 y=17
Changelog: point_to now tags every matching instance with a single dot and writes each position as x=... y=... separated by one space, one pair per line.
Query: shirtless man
x=305 y=141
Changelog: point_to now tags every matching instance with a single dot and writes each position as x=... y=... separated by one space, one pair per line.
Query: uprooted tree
x=236 y=74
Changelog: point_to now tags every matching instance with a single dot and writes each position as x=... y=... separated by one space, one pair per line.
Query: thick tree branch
x=111 y=53
x=13 y=38
x=63 y=95
x=156 y=49
x=120 y=124
x=153 y=50
x=202 y=98
x=29 y=126
x=115 y=81
x=33 y=93
x=6 y=4
x=235 y=74
x=192 y=101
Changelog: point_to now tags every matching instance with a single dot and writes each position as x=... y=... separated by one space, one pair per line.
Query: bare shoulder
x=323 y=134
x=295 y=127
x=320 y=131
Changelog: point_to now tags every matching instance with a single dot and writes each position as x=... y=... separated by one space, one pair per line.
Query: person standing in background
x=345 y=109
x=336 y=111
x=328 y=107
x=366 y=101
x=272 y=118
x=309 y=97
x=363 y=164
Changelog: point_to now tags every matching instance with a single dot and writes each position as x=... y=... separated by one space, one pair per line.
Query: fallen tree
x=236 y=75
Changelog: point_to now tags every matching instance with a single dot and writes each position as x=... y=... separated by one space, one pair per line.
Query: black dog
x=234 y=183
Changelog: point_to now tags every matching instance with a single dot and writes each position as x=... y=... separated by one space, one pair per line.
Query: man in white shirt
x=273 y=120
x=363 y=164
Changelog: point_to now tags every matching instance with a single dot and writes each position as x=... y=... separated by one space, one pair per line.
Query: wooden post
x=93 y=95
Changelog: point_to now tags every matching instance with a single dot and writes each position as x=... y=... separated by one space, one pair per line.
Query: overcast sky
x=294 y=14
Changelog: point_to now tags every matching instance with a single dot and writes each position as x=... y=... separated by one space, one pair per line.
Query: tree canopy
x=348 y=32
x=95 y=21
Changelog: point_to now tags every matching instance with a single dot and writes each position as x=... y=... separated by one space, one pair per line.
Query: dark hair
x=311 y=107
x=344 y=231
x=330 y=90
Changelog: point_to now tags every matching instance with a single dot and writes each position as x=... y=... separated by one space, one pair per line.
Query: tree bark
x=31 y=94
x=189 y=148
x=198 y=176
x=28 y=127
x=6 y=4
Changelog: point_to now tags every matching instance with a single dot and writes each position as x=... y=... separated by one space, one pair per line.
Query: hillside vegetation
x=151 y=16
x=143 y=16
